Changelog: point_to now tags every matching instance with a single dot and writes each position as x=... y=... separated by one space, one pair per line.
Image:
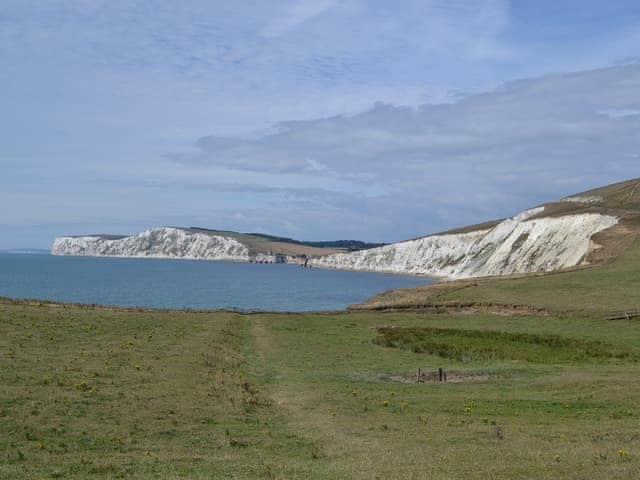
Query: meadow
x=95 y=392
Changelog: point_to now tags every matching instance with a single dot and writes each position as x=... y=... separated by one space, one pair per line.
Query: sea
x=189 y=284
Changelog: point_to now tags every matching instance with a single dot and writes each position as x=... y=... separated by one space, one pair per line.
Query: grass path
x=308 y=413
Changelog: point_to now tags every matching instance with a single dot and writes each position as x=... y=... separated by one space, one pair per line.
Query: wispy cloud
x=619 y=112
x=295 y=14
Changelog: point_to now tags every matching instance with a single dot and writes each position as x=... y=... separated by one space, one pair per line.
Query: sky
x=313 y=119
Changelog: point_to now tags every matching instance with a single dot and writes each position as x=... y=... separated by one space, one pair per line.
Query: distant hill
x=25 y=251
x=339 y=244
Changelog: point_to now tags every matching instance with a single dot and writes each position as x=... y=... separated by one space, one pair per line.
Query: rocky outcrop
x=526 y=243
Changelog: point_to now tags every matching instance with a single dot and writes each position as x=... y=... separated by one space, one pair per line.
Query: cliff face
x=198 y=244
x=165 y=242
x=522 y=244
x=525 y=243
x=596 y=225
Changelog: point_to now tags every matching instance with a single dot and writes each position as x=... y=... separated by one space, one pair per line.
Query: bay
x=179 y=284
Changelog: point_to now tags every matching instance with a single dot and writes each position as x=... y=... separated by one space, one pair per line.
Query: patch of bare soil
x=433 y=377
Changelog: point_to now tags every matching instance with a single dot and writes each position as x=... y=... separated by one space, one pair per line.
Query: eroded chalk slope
x=525 y=243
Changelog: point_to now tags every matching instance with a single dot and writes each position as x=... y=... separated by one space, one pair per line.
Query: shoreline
x=231 y=260
x=35 y=302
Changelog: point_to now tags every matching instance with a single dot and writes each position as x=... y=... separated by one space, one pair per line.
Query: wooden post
x=440 y=374
x=445 y=377
x=418 y=377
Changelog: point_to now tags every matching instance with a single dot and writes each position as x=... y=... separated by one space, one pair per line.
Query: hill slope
x=578 y=230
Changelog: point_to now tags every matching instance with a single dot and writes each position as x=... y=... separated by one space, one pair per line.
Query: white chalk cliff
x=529 y=242
x=521 y=244
x=164 y=242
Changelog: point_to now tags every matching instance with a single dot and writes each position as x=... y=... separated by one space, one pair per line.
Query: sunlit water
x=189 y=284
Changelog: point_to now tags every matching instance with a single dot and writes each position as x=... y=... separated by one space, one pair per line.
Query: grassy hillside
x=619 y=199
x=262 y=243
x=544 y=392
x=623 y=195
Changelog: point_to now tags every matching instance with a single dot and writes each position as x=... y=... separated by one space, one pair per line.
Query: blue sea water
x=189 y=284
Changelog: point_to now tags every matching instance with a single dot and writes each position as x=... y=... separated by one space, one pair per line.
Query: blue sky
x=317 y=119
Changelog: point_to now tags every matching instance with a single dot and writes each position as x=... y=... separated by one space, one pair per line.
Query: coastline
x=35 y=302
x=316 y=267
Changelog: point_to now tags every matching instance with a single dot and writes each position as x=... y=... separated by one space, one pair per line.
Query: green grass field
x=108 y=393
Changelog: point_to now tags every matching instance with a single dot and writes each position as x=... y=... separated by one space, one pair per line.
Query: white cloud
x=619 y=112
x=526 y=142
x=103 y=89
